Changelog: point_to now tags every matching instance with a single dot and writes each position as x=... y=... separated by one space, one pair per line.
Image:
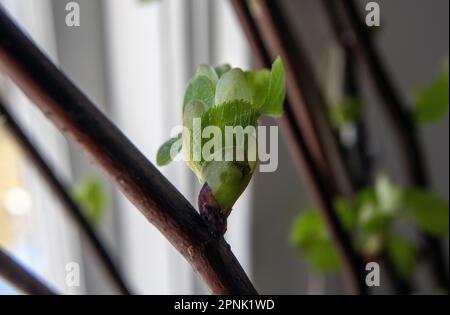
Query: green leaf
x=233 y=86
x=222 y=69
x=200 y=88
x=389 y=195
x=169 y=150
x=234 y=113
x=323 y=256
x=403 y=255
x=208 y=71
x=428 y=210
x=90 y=196
x=309 y=235
x=373 y=220
x=276 y=92
x=307 y=229
x=347 y=111
x=259 y=84
x=193 y=109
x=431 y=102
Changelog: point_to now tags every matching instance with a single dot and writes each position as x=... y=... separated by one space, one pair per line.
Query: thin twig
x=351 y=31
x=66 y=200
x=157 y=199
x=324 y=193
x=20 y=277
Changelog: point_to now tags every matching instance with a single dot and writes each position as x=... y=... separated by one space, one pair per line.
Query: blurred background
x=133 y=59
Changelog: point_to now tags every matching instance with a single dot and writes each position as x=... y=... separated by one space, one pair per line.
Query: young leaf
x=169 y=150
x=310 y=236
x=307 y=229
x=276 y=92
x=208 y=71
x=234 y=113
x=428 y=210
x=259 y=85
x=431 y=103
x=403 y=255
x=90 y=196
x=222 y=69
x=323 y=256
x=200 y=88
x=373 y=220
x=233 y=86
x=389 y=195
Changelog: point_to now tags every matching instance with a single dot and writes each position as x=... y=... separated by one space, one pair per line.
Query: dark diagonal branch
x=323 y=192
x=66 y=200
x=351 y=32
x=20 y=277
x=78 y=119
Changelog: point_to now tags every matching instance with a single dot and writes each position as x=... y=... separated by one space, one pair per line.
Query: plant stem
x=158 y=200
x=21 y=278
x=323 y=191
x=66 y=200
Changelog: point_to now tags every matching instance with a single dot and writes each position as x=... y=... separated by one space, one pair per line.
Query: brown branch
x=66 y=200
x=352 y=33
x=20 y=277
x=78 y=119
x=323 y=191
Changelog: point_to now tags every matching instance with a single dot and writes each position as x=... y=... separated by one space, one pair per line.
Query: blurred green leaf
x=90 y=196
x=276 y=91
x=323 y=256
x=389 y=195
x=347 y=111
x=309 y=235
x=431 y=102
x=347 y=214
x=373 y=220
x=307 y=228
x=200 y=88
x=168 y=150
x=403 y=255
x=428 y=210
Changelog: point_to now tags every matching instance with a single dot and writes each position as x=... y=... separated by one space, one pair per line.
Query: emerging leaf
x=200 y=88
x=233 y=86
x=169 y=150
x=259 y=84
x=222 y=69
x=208 y=71
x=276 y=92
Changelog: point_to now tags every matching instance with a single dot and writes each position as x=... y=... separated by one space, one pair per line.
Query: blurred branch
x=351 y=32
x=78 y=119
x=21 y=278
x=66 y=200
x=301 y=140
